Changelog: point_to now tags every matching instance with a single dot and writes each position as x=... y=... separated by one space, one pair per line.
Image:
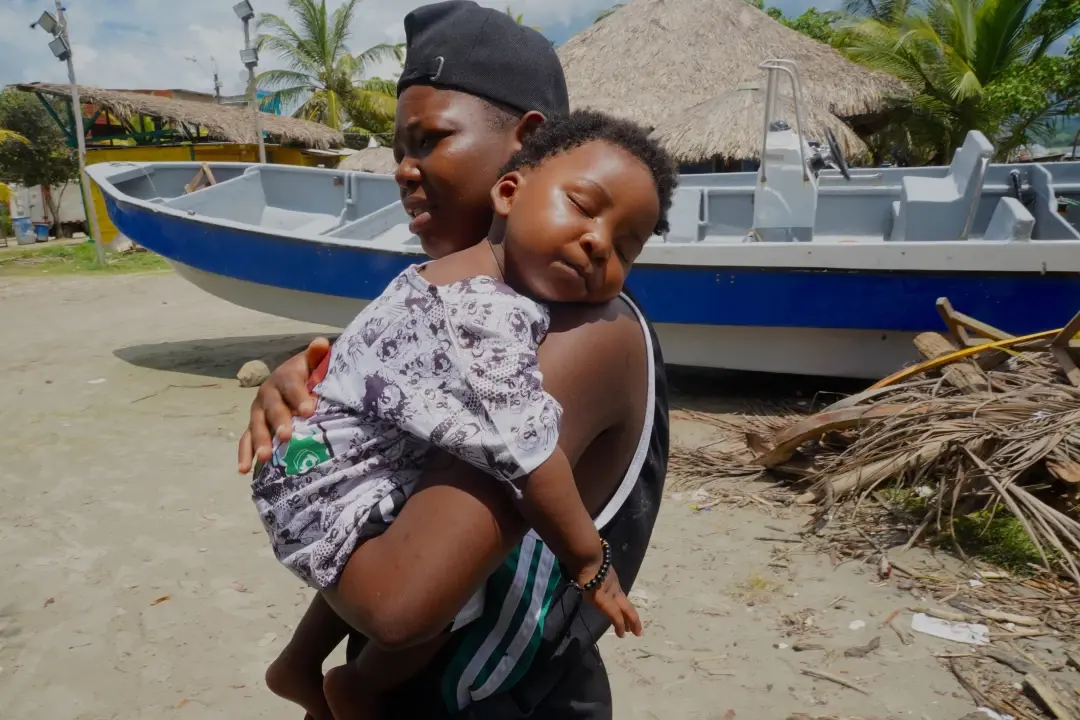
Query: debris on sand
x=253 y=374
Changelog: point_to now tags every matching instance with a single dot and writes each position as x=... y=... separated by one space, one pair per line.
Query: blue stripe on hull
x=843 y=299
x=857 y=300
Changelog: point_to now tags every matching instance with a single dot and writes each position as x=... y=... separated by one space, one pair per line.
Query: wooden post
x=963 y=374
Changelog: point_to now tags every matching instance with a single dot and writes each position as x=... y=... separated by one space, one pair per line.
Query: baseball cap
x=459 y=45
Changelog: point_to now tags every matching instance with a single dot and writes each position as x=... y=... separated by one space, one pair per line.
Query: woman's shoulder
x=614 y=321
x=596 y=358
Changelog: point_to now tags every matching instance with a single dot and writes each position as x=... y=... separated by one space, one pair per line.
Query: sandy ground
x=136 y=581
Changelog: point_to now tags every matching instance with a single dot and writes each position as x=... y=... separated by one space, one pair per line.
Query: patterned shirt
x=423 y=366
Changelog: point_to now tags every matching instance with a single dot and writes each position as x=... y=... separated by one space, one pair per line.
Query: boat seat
x=1049 y=224
x=942 y=208
x=684 y=218
x=321 y=225
x=1010 y=222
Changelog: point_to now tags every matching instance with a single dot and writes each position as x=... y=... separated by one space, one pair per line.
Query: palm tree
x=324 y=79
x=883 y=10
x=6 y=135
x=956 y=55
x=519 y=18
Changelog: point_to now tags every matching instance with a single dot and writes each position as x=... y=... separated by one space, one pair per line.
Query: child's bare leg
x=296 y=674
x=357 y=690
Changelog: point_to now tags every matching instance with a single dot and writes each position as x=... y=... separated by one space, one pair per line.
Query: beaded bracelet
x=601 y=574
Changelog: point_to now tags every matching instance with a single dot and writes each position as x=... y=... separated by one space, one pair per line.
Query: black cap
x=461 y=46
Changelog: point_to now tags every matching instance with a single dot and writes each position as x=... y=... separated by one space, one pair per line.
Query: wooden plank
x=1063 y=352
x=1049 y=697
x=959 y=324
x=963 y=375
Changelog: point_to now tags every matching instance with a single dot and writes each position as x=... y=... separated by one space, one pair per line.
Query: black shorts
x=571 y=685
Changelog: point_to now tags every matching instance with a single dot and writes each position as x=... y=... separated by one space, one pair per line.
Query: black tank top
x=630 y=528
x=626 y=522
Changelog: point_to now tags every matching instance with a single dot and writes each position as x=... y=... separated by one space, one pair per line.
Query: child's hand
x=610 y=599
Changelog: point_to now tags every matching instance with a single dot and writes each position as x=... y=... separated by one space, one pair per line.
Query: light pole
x=213 y=63
x=61 y=48
x=250 y=57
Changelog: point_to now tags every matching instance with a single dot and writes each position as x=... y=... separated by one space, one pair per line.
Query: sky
x=145 y=43
x=150 y=44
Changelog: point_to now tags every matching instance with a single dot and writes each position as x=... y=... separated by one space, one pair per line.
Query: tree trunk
x=59 y=201
x=53 y=205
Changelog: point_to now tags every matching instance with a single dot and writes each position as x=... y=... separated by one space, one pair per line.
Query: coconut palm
x=6 y=135
x=324 y=79
x=955 y=54
x=877 y=9
x=519 y=18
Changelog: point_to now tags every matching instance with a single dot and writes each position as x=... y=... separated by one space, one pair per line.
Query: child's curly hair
x=584 y=126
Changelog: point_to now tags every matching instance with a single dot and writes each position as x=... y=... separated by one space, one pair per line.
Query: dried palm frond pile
x=728 y=455
x=1001 y=441
x=988 y=435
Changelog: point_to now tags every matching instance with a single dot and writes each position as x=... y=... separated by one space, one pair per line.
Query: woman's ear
x=502 y=195
x=526 y=126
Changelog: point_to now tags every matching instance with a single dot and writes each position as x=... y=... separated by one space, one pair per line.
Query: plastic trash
x=961 y=632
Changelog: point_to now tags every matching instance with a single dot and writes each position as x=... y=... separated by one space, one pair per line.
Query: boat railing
x=789 y=68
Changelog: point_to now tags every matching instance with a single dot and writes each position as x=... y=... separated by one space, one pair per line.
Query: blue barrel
x=41 y=231
x=24 y=230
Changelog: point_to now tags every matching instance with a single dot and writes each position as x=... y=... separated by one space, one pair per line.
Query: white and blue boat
x=792 y=269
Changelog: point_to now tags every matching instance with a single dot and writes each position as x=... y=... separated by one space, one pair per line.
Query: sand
x=137 y=582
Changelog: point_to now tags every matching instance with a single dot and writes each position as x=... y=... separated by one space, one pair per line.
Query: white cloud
x=144 y=43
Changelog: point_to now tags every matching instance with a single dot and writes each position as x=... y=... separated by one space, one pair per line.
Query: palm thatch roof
x=222 y=122
x=730 y=126
x=373 y=160
x=653 y=58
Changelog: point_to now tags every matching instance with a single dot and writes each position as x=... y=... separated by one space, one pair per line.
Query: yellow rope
x=960 y=355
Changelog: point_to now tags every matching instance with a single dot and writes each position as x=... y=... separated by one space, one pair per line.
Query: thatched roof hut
x=373 y=160
x=654 y=58
x=222 y=122
x=730 y=126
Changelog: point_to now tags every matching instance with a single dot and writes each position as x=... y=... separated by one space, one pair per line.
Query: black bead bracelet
x=601 y=574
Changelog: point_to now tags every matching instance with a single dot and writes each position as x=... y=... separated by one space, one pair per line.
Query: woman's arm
x=407 y=585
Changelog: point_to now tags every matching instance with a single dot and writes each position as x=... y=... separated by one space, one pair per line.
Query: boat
x=805 y=266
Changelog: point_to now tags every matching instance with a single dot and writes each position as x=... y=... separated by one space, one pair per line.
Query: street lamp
x=48 y=23
x=213 y=63
x=61 y=47
x=244 y=11
x=250 y=57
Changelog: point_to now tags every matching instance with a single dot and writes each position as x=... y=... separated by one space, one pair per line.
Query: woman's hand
x=283 y=396
x=610 y=599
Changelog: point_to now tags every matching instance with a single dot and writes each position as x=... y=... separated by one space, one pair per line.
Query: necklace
x=495 y=257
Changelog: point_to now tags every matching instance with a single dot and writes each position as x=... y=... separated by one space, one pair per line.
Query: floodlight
x=48 y=23
x=243 y=10
x=60 y=48
x=250 y=57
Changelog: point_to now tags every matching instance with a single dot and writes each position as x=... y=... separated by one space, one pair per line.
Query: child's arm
x=551 y=504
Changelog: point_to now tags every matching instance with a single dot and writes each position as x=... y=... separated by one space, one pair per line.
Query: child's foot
x=347 y=697
x=300 y=683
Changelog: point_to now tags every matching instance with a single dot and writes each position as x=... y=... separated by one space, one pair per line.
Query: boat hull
x=840 y=322
x=865 y=354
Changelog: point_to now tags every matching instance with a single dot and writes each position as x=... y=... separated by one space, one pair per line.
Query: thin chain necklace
x=502 y=273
